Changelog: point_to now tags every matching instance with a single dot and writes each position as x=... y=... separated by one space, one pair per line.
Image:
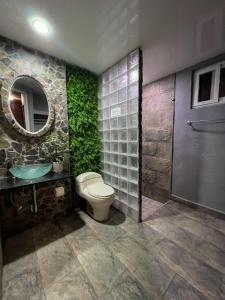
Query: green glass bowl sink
x=30 y=171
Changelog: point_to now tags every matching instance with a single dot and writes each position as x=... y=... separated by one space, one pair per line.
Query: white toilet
x=98 y=195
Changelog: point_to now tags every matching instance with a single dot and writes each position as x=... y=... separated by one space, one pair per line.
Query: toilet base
x=98 y=213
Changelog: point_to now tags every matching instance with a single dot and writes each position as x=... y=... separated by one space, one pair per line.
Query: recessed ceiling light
x=40 y=26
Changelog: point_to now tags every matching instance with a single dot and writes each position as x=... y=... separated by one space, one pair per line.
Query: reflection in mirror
x=29 y=104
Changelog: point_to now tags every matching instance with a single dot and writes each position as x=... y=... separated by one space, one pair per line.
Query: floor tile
x=177 y=254
x=206 y=279
x=56 y=259
x=99 y=263
x=126 y=287
x=179 y=289
x=76 y=286
x=202 y=249
x=24 y=286
x=149 y=206
x=21 y=276
x=153 y=274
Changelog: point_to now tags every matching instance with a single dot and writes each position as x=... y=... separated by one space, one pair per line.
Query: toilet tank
x=85 y=179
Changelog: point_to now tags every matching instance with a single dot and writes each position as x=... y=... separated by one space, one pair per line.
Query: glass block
x=114 y=158
x=122 y=95
x=105 y=102
x=101 y=135
x=113 y=123
x=102 y=156
x=122 y=81
x=100 y=125
x=122 y=122
x=133 y=202
x=123 y=147
x=132 y=162
x=133 y=148
x=107 y=168
x=115 y=193
x=123 y=135
x=114 y=181
x=132 y=121
x=133 y=75
x=122 y=197
x=114 y=135
x=123 y=173
x=133 y=134
x=132 y=106
x=115 y=111
x=106 y=157
x=105 y=77
x=133 y=59
x=106 y=113
x=106 y=135
x=100 y=115
x=133 y=175
x=107 y=178
x=100 y=104
x=123 y=185
x=113 y=147
x=113 y=72
x=123 y=108
x=114 y=170
x=112 y=100
x=133 y=91
x=133 y=189
x=105 y=90
x=122 y=66
x=122 y=160
x=106 y=124
x=106 y=146
x=100 y=91
x=113 y=86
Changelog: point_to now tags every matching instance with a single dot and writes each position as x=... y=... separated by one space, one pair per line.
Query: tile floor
x=149 y=206
x=178 y=254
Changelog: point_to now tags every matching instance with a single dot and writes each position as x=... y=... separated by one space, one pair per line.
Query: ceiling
x=94 y=34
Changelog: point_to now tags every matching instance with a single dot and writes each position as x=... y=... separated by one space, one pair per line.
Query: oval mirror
x=29 y=104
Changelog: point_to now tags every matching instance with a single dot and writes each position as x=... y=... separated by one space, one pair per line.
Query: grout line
x=169 y=284
x=35 y=253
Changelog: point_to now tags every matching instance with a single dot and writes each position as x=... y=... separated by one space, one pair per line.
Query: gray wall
x=199 y=154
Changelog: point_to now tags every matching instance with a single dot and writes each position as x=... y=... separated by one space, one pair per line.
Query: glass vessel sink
x=30 y=171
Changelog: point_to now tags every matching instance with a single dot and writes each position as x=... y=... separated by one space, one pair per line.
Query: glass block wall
x=119 y=127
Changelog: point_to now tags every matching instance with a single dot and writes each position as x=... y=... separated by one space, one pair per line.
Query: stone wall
x=157 y=131
x=51 y=73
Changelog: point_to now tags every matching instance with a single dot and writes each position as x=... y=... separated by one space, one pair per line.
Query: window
x=222 y=83
x=209 y=85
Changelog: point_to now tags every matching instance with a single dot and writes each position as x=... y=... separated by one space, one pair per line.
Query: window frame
x=222 y=66
x=215 y=68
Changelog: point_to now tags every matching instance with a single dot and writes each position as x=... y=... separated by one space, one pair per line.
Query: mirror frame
x=6 y=88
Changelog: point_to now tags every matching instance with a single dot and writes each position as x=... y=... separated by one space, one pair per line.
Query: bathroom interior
x=112 y=137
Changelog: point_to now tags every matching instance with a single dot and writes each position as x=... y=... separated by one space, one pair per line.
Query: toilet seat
x=100 y=190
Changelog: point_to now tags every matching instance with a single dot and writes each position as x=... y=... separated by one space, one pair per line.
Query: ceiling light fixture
x=40 y=27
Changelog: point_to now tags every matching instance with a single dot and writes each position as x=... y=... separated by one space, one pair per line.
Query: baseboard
x=203 y=208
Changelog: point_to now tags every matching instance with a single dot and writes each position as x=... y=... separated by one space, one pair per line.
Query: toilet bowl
x=99 y=196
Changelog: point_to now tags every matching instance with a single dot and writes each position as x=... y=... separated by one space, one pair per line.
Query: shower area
x=119 y=124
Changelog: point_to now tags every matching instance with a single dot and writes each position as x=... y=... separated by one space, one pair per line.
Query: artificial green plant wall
x=82 y=93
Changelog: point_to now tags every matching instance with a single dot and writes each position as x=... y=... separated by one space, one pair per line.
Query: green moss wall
x=82 y=95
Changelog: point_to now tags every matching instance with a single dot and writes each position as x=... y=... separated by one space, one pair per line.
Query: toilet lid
x=100 y=190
